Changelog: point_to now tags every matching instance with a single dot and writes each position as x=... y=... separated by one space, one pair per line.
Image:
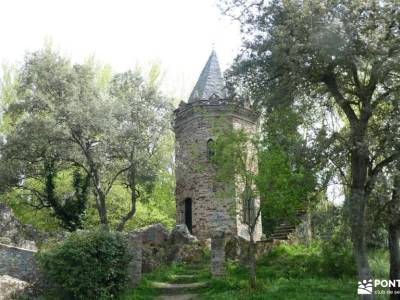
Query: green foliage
x=41 y=219
x=235 y=162
x=337 y=257
x=145 y=291
x=287 y=272
x=337 y=63
x=284 y=189
x=320 y=259
x=287 y=172
x=70 y=210
x=87 y=265
x=326 y=219
x=109 y=126
x=379 y=262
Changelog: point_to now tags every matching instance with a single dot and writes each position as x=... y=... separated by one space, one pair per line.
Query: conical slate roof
x=210 y=82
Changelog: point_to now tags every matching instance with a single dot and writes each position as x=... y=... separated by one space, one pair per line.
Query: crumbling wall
x=18 y=262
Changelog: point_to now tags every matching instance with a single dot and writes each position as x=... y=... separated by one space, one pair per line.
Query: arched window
x=210 y=148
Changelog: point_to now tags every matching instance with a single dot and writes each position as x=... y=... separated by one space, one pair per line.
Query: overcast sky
x=179 y=34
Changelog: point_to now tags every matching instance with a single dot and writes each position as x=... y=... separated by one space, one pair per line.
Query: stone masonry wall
x=135 y=244
x=195 y=179
x=213 y=209
x=218 y=264
x=18 y=262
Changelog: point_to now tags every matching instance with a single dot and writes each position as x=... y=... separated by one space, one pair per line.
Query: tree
x=393 y=225
x=288 y=179
x=143 y=115
x=235 y=159
x=107 y=130
x=340 y=54
x=385 y=209
x=30 y=163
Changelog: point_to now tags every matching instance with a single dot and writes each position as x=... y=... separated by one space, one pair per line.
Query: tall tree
x=384 y=203
x=341 y=54
x=106 y=130
x=143 y=115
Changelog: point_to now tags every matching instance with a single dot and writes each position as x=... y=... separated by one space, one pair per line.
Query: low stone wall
x=18 y=262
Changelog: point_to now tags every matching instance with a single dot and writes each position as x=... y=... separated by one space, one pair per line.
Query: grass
x=320 y=271
x=288 y=272
x=167 y=274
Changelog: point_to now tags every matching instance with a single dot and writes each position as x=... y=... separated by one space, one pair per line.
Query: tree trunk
x=99 y=194
x=394 y=252
x=103 y=209
x=134 y=197
x=358 y=202
x=100 y=199
x=252 y=260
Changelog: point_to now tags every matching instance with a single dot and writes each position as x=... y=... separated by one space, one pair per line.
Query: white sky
x=179 y=34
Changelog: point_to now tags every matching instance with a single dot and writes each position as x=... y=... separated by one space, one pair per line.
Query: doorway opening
x=188 y=213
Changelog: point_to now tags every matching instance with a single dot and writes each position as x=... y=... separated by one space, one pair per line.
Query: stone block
x=155 y=234
x=11 y=288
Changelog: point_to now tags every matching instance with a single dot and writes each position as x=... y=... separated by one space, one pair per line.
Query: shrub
x=330 y=259
x=337 y=256
x=294 y=260
x=87 y=265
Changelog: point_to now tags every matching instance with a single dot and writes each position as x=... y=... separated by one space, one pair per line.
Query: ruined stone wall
x=18 y=262
x=135 y=244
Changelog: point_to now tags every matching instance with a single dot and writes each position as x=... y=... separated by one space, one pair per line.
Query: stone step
x=286 y=226
x=284 y=238
x=283 y=231
x=178 y=297
x=182 y=278
x=268 y=240
x=279 y=237
x=177 y=288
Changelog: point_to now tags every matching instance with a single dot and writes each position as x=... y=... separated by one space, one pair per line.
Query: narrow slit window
x=210 y=148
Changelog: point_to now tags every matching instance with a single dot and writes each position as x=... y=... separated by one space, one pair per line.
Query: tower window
x=249 y=212
x=210 y=148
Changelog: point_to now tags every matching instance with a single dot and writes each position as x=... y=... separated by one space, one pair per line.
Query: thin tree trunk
x=252 y=260
x=100 y=199
x=134 y=196
x=103 y=209
x=98 y=191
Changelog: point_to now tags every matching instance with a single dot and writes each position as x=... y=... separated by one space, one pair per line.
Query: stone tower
x=199 y=204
